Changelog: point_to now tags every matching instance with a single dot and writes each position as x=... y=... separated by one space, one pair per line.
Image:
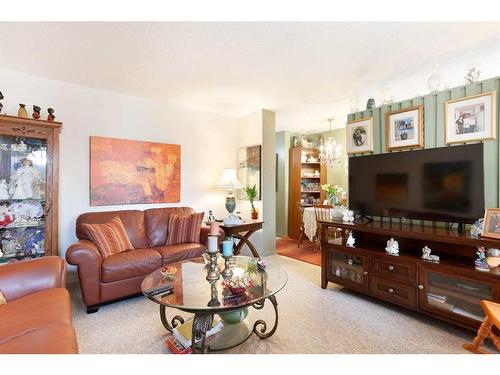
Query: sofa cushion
x=133 y=220
x=182 y=229
x=39 y=310
x=111 y=237
x=181 y=251
x=156 y=220
x=129 y=264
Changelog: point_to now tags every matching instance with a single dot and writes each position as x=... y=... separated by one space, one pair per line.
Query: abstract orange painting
x=123 y=171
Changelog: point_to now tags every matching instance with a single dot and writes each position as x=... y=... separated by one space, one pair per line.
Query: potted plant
x=332 y=192
x=251 y=193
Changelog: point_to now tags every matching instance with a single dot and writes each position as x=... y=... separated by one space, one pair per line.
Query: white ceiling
x=303 y=71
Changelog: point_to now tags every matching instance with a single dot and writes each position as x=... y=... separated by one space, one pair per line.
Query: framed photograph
x=470 y=119
x=404 y=129
x=491 y=227
x=359 y=136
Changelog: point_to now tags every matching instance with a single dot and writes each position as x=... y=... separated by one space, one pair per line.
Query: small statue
x=295 y=142
x=36 y=112
x=4 y=189
x=23 y=182
x=232 y=219
x=348 y=216
x=1 y=105
x=481 y=263
x=51 y=117
x=426 y=255
x=477 y=228
x=392 y=247
x=370 y=103
x=473 y=73
x=493 y=258
x=350 y=240
x=211 y=216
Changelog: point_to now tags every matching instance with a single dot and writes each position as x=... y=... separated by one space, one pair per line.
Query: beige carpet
x=311 y=320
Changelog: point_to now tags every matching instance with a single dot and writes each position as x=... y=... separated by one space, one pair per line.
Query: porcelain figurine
x=1 y=105
x=232 y=219
x=4 y=189
x=6 y=216
x=481 y=263
x=477 y=228
x=392 y=247
x=23 y=181
x=21 y=112
x=350 y=240
x=348 y=216
x=426 y=255
x=51 y=117
x=36 y=112
x=370 y=103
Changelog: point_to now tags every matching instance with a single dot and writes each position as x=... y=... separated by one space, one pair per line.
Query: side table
x=243 y=232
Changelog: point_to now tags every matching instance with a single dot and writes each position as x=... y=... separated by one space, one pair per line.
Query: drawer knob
x=420 y=286
x=391 y=268
x=391 y=290
x=365 y=273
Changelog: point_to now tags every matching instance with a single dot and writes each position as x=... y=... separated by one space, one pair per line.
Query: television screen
x=444 y=184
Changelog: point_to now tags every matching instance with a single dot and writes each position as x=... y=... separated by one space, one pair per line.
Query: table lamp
x=229 y=181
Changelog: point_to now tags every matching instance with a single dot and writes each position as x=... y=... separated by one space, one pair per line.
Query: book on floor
x=183 y=333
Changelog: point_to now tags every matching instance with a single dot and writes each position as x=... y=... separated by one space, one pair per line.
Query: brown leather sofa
x=37 y=316
x=121 y=275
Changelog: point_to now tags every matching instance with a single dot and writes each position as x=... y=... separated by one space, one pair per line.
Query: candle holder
x=227 y=272
x=213 y=273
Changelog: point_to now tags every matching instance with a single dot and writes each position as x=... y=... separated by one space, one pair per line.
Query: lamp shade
x=228 y=180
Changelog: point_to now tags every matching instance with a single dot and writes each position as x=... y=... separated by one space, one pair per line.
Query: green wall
x=434 y=130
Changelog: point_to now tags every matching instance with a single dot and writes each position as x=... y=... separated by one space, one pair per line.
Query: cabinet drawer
x=394 y=292
x=395 y=269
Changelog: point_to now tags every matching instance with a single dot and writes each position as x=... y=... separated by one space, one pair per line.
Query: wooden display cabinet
x=449 y=290
x=29 y=165
x=301 y=175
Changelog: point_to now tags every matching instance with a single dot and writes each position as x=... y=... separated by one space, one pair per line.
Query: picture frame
x=249 y=169
x=404 y=129
x=359 y=136
x=471 y=119
x=491 y=227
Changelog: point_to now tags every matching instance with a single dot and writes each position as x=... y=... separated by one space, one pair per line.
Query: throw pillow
x=3 y=301
x=111 y=237
x=182 y=229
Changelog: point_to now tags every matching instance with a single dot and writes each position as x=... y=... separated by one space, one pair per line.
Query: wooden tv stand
x=449 y=290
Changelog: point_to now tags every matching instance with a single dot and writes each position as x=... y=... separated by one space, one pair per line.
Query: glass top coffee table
x=191 y=292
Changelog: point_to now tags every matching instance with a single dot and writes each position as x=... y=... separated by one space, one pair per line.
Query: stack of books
x=181 y=342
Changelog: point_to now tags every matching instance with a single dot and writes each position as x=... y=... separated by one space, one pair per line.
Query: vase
x=234 y=317
x=255 y=214
x=22 y=111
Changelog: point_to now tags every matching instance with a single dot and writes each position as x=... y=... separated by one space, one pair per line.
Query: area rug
x=288 y=247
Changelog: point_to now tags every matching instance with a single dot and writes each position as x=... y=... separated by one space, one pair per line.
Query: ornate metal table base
x=203 y=322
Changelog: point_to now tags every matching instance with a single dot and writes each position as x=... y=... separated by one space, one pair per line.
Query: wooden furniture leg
x=492 y=319
x=482 y=333
x=245 y=241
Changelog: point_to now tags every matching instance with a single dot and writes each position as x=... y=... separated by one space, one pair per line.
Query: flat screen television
x=439 y=184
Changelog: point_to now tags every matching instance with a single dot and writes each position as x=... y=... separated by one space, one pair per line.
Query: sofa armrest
x=87 y=257
x=204 y=235
x=27 y=277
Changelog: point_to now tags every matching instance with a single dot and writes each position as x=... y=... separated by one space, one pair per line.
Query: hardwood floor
x=288 y=247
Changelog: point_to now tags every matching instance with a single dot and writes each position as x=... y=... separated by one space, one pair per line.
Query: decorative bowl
x=234 y=317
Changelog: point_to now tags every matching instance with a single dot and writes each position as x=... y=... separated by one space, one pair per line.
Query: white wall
x=208 y=142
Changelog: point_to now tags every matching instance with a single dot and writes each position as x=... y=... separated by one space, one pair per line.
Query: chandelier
x=330 y=152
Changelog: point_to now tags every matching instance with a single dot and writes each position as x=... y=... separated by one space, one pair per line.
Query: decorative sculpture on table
x=4 y=189
x=50 y=117
x=426 y=255
x=392 y=247
x=350 y=240
x=348 y=216
x=36 y=112
x=481 y=263
x=24 y=182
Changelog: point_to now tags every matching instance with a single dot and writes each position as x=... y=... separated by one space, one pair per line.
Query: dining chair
x=323 y=213
x=492 y=319
x=301 y=219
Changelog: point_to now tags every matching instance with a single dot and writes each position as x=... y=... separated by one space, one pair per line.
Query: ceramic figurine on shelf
x=477 y=228
x=23 y=181
x=493 y=258
x=4 y=189
x=370 y=103
x=51 y=117
x=350 y=240
x=36 y=112
x=481 y=263
x=6 y=216
x=21 y=112
x=426 y=255
x=1 y=105
x=348 y=216
x=392 y=247
x=295 y=142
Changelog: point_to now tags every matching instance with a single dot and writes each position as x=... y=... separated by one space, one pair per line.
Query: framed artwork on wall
x=404 y=129
x=491 y=227
x=124 y=171
x=359 y=136
x=249 y=167
x=470 y=119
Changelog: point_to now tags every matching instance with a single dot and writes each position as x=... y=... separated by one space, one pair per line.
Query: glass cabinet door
x=349 y=268
x=23 y=175
x=457 y=297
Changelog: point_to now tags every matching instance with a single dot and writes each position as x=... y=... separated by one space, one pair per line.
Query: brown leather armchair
x=121 y=275
x=37 y=316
